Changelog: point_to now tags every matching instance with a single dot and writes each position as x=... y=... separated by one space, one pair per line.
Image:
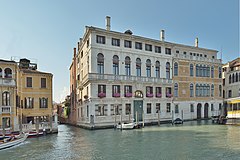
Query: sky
x=46 y=31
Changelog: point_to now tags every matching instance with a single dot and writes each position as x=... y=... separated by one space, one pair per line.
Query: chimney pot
x=196 y=42
x=162 y=35
x=108 y=25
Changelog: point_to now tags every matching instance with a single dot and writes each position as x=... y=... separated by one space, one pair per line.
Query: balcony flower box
x=169 y=95
x=159 y=95
x=116 y=95
x=149 y=95
x=101 y=94
x=128 y=95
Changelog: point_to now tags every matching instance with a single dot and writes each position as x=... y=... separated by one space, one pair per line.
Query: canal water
x=192 y=140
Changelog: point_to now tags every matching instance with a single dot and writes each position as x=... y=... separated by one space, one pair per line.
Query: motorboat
x=125 y=125
x=178 y=121
x=10 y=141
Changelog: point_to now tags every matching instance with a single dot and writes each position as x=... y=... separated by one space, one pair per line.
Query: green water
x=193 y=140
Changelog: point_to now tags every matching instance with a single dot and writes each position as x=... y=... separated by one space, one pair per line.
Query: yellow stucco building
x=8 y=118
x=34 y=93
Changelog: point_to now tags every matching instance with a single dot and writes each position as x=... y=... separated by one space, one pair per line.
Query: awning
x=234 y=101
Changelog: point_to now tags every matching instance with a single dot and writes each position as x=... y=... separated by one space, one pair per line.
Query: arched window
x=0 y=72
x=204 y=71
x=7 y=73
x=138 y=66
x=212 y=90
x=201 y=90
x=219 y=72
x=212 y=72
x=197 y=90
x=233 y=78
x=208 y=71
x=204 y=90
x=208 y=90
x=148 y=67
x=168 y=70
x=100 y=63
x=200 y=71
x=175 y=69
x=191 y=69
x=197 y=70
x=115 y=65
x=191 y=90
x=175 y=90
x=6 y=99
x=127 y=66
x=230 y=79
x=220 y=90
x=236 y=77
x=157 y=69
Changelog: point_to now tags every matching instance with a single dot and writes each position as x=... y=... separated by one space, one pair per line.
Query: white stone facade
x=97 y=106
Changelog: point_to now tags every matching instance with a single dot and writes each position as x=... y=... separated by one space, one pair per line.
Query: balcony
x=196 y=58
x=6 y=109
x=124 y=78
x=7 y=82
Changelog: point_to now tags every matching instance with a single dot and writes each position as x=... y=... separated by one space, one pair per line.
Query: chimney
x=162 y=36
x=196 y=42
x=74 y=52
x=108 y=26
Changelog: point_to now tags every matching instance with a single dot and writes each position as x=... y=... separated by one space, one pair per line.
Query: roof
x=147 y=39
x=34 y=72
x=7 y=61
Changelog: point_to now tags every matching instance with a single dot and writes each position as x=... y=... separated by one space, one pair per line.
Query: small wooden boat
x=33 y=134
x=125 y=125
x=10 y=141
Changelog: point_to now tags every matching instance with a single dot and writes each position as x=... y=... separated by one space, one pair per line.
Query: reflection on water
x=193 y=140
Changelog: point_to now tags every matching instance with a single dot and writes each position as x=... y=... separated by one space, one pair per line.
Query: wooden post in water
x=182 y=115
x=143 y=118
x=172 y=117
x=115 y=117
x=136 y=118
x=158 y=118
x=37 y=124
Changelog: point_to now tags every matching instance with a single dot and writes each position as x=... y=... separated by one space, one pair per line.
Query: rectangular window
x=191 y=108
x=100 y=110
x=148 y=47
x=6 y=122
x=149 y=91
x=128 y=91
x=158 y=107
x=159 y=92
x=116 y=109
x=168 y=92
x=149 y=108
x=29 y=81
x=127 y=44
x=116 y=42
x=157 y=49
x=128 y=109
x=229 y=93
x=138 y=45
x=177 y=51
x=212 y=108
x=101 y=91
x=168 y=107
x=176 y=108
x=168 y=51
x=43 y=83
x=29 y=102
x=100 y=39
x=43 y=102
x=116 y=90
